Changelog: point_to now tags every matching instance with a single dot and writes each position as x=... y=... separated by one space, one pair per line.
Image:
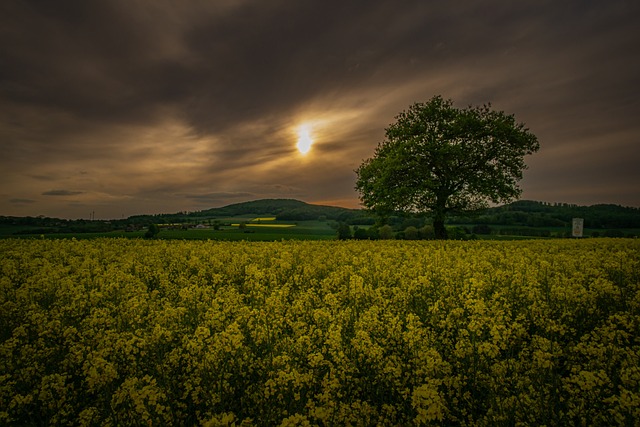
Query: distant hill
x=517 y=216
x=519 y=213
x=282 y=209
x=541 y=214
x=254 y=207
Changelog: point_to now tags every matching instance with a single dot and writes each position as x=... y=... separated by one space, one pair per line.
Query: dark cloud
x=19 y=201
x=149 y=104
x=61 y=193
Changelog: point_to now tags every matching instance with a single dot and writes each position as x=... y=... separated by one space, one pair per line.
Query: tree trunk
x=438 y=224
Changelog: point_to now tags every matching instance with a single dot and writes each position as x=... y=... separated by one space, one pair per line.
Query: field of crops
x=142 y=332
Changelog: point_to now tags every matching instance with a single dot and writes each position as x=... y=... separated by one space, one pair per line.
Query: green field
x=261 y=228
x=518 y=220
x=255 y=231
x=303 y=230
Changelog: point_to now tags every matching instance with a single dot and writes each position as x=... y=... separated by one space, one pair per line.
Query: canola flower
x=134 y=332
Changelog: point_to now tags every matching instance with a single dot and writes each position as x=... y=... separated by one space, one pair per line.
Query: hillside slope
x=541 y=214
x=282 y=209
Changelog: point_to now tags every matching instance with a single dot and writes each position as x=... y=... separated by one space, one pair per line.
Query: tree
x=344 y=231
x=440 y=160
x=152 y=231
x=360 y=233
x=411 y=233
x=385 y=232
x=427 y=232
x=481 y=229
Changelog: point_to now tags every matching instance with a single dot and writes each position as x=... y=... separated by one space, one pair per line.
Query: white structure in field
x=577 y=227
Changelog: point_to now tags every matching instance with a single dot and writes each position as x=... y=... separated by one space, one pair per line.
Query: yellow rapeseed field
x=123 y=332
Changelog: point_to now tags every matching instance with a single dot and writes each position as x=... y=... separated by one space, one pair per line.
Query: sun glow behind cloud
x=304 y=139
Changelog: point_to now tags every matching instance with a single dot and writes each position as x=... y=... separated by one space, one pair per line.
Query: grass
x=304 y=230
x=266 y=225
x=257 y=229
x=269 y=229
x=553 y=232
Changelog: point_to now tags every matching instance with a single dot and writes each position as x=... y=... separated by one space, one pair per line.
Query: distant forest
x=517 y=216
x=541 y=214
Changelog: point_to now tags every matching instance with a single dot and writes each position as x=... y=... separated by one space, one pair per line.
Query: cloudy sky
x=124 y=107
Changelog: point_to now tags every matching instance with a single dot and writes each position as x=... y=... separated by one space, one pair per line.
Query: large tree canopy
x=439 y=159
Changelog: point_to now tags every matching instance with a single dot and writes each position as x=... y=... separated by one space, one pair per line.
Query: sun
x=304 y=139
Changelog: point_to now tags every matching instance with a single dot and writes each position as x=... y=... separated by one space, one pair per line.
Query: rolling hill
x=282 y=209
x=522 y=213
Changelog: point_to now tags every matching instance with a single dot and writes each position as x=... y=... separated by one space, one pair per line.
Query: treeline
x=462 y=232
x=540 y=214
x=525 y=218
x=521 y=218
x=46 y=225
x=388 y=232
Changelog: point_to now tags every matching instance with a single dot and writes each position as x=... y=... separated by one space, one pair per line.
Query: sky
x=112 y=108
